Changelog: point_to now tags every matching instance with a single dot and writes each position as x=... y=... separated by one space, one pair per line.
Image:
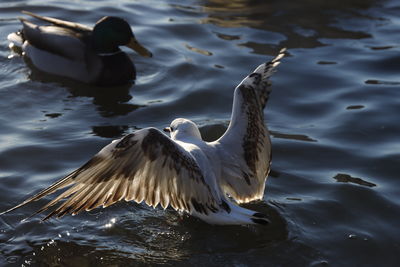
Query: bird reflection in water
x=110 y=101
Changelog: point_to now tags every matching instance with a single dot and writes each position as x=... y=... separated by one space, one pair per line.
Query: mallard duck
x=205 y=179
x=89 y=55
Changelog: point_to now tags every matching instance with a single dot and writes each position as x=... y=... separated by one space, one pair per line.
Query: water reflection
x=355 y=107
x=323 y=62
x=298 y=137
x=346 y=178
x=303 y=23
x=110 y=101
x=198 y=50
x=110 y=131
x=160 y=238
x=110 y=107
x=382 y=82
x=131 y=234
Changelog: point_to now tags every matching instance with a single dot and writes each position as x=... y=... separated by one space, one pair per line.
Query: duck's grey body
x=70 y=50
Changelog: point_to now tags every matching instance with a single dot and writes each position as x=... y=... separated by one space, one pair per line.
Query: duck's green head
x=111 y=32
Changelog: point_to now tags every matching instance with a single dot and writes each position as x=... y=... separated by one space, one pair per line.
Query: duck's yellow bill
x=134 y=44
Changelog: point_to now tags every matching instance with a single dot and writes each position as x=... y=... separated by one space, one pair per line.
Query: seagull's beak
x=134 y=44
x=167 y=129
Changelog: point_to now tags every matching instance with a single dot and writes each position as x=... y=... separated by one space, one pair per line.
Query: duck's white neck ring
x=109 y=54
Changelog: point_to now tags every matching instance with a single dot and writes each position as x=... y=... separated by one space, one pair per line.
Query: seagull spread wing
x=142 y=166
x=245 y=148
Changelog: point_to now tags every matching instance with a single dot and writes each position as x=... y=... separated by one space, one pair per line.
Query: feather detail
x=183 y=171
x=246 y=164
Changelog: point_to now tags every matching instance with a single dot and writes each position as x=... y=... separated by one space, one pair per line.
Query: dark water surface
x=333 y=195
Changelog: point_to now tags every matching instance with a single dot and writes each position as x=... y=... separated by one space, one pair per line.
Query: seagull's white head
x=183 y=128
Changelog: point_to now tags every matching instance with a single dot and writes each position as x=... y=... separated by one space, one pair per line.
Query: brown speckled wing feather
x=142 y=166
x=245 y=148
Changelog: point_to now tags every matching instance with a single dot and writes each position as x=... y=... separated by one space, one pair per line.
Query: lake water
x=333 y=194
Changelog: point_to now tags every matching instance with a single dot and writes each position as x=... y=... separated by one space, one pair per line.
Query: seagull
x=207 y=180
x=73 y=50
